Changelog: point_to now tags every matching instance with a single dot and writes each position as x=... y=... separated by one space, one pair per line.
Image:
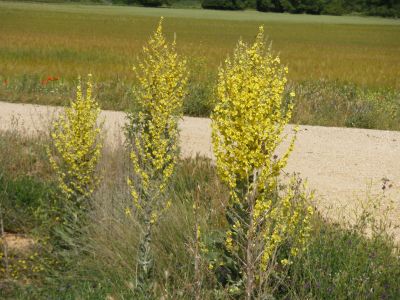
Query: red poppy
x=49 y=78
x=5 y=81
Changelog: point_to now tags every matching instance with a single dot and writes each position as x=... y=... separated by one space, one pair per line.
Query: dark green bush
x=334 y=7
x=286 y=6
x=292 y=6
x=224 y=4
x=269 y=5
x=313 y=7
x=384 y=12
x=384 y=8
x=152 y=3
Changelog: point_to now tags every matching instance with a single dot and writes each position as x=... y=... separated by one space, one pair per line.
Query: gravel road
x=343 y=165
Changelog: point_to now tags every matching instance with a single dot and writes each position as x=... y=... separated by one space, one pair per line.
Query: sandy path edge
x=341 y=164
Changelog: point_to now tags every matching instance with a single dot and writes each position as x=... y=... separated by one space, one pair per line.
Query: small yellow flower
x=285 y=262
x=128 y=212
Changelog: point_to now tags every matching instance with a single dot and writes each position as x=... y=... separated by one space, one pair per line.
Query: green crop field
x=68 y=40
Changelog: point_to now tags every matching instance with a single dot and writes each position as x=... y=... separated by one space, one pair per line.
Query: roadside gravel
x=343 y=165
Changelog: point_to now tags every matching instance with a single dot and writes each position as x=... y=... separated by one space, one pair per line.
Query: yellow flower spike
x=77 y=145
x=247 y=128
x=162 y=85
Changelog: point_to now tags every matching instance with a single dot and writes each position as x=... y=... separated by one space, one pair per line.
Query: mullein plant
x=76 y=149
x=153 y=138
x=247 y=127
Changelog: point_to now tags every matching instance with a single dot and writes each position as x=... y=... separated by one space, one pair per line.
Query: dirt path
x=341 y=164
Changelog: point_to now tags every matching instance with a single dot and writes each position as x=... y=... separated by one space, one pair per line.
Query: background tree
x=224 y=4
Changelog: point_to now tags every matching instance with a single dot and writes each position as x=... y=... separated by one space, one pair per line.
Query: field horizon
x=246 y=15
x=68 y=40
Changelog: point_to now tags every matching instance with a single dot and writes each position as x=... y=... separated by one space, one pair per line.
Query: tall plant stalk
x=197 y=235
x=153 y=138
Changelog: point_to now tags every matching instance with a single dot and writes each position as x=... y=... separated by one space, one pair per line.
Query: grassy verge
x=317 y=102
x=340 y=261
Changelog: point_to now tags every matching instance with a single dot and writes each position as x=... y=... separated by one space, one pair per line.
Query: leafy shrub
x=384 y=11
x=269 y=5
x=224 y=4
x=313 y=7
x=292 y=6
x=151 y=3
x=334 y=7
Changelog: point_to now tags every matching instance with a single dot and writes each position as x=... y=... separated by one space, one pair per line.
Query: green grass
x=247 y=15
x=335 y=103
x=68 y=40
x=339 y=263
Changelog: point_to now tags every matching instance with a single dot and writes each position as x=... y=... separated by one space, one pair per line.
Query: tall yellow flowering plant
x=77 y=144
x=153 y=134
x=247 y=128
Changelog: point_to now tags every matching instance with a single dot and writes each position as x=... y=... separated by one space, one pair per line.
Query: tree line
x=385 y=8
